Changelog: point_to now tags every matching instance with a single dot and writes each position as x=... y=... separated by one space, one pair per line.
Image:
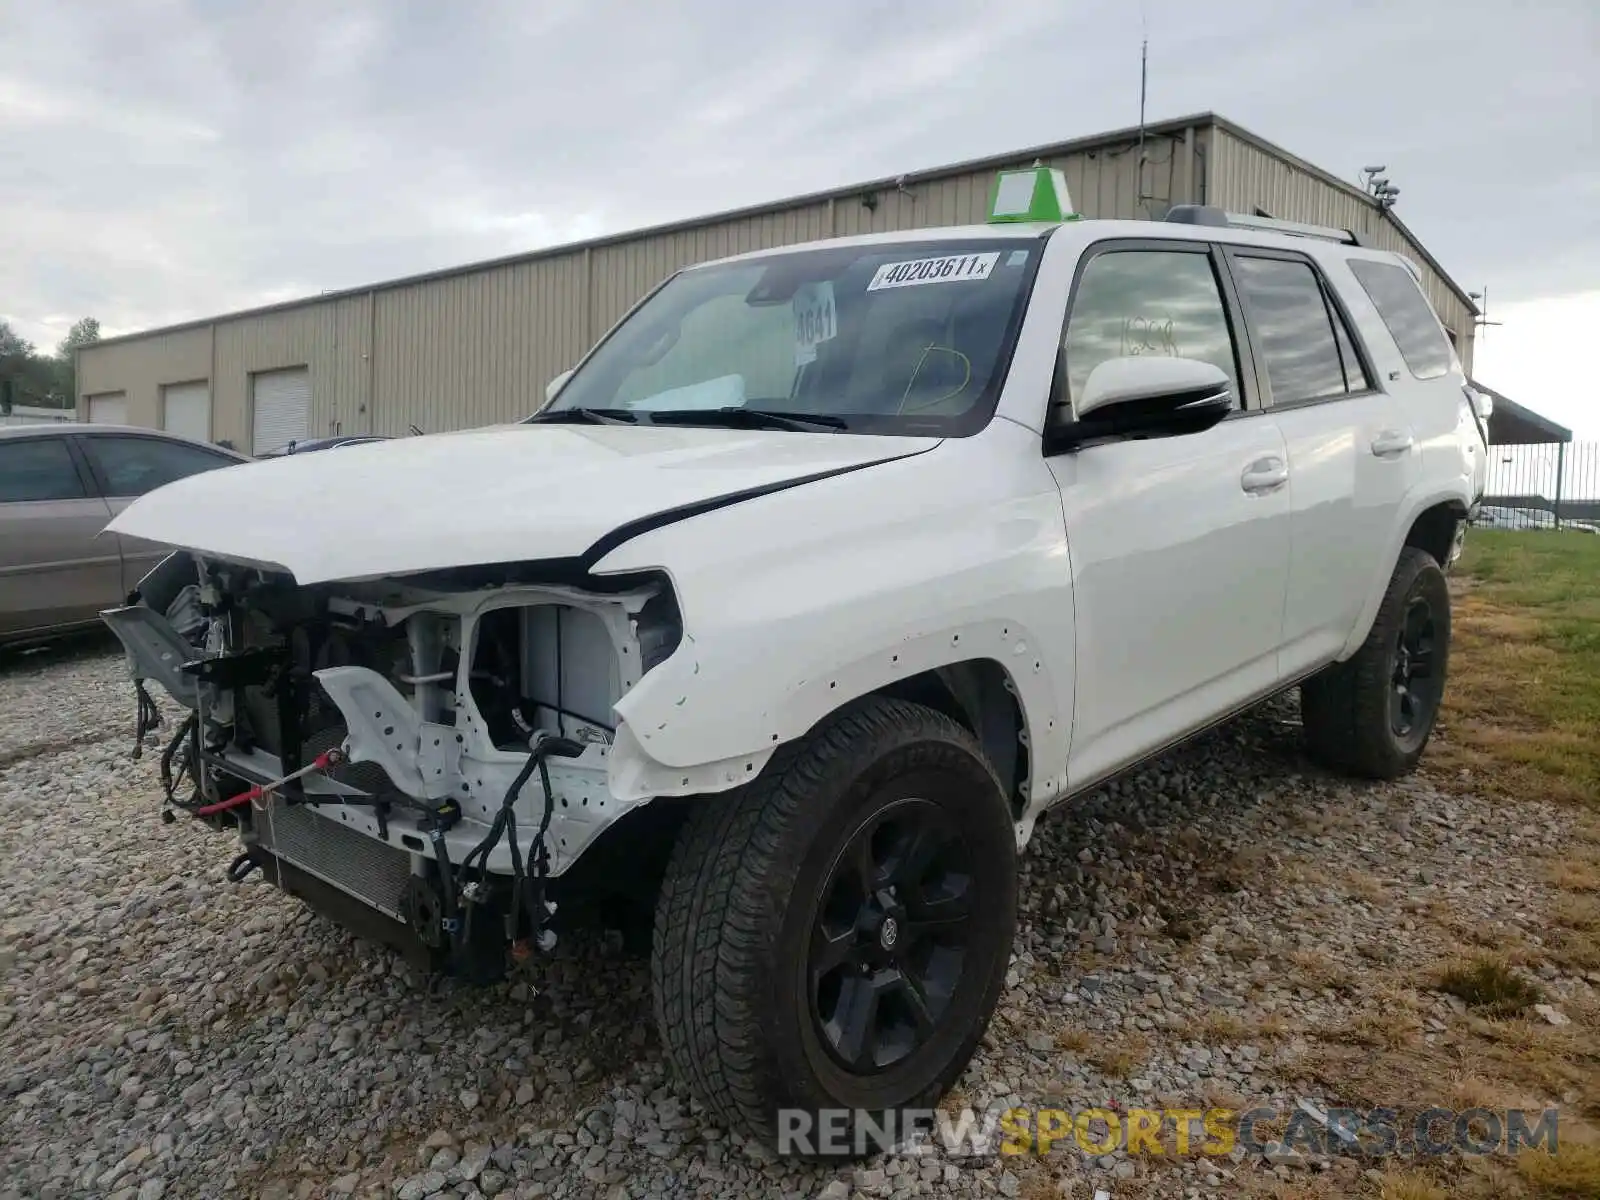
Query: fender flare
x=1415 y=504
x=673 y=737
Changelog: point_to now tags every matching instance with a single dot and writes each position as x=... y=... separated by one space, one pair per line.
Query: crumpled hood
x=510 y=493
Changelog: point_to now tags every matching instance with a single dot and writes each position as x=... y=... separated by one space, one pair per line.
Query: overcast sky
x=168 y=159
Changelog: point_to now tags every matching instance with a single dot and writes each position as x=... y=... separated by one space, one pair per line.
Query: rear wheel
x=835 y=935
x=1372 y=715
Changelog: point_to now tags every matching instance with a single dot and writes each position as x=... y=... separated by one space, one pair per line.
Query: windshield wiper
x=736 y=416
x=585 y=416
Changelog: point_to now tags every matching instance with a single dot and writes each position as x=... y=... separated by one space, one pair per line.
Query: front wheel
x=1372 y=715
x=835 y=935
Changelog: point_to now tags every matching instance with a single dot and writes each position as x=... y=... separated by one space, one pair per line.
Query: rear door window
x=1406 y=312
x=132 y=466
x=35 y=469
x=1308 y=352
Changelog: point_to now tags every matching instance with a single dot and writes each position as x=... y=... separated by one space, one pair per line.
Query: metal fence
x=1552 y=485
x=24 y=414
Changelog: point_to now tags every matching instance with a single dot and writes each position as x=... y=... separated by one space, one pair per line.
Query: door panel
x=1345 y=496
x=54 y=568
x=1179 y=545
x=138 y=556
x=1178 y=584
x=126 y=466
x=1351 y=448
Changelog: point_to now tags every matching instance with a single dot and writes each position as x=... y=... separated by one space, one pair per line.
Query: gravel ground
x=1186 y=937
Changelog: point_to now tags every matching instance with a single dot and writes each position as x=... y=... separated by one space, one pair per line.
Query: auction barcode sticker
x=949 y=269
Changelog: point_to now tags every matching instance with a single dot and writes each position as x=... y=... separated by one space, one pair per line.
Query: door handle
x=1392 y=442
x=1265 y=475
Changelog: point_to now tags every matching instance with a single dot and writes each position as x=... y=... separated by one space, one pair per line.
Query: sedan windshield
x=908 y=337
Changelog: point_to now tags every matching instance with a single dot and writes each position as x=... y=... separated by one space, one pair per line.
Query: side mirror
x=553 y=388
x=1141 y=396
x=1483 y=404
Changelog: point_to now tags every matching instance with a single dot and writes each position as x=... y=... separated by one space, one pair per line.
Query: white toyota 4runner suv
x=824 y=575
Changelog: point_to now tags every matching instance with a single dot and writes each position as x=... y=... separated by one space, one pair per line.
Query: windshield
x=909 y=337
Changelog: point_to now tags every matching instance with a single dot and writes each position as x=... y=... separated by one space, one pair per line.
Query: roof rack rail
x=1206 y=214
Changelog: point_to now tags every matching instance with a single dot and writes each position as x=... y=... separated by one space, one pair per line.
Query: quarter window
x=1136 y=302
x=38 y=469
x=1302 y=339
x=1404 y=309
x=132 y=466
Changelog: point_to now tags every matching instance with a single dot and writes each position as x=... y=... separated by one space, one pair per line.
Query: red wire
x=256 y=792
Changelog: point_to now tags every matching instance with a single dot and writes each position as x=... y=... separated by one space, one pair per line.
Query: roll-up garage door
x=109 y=408
x=281 y=408
x=186 y=410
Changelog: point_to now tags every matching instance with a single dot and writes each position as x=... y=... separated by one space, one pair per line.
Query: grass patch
x=1365 y=888
x=1120 y=1059
x=1576 y=875
x=1522 y=709
x=1315 y=971
x=1570 y=1173
x=1580 y=913
x=1490 y=986
x=1575 y=951
x=1073 y=1040
x=1219 y=1028
x=1520 y=728
x=1408 y=1185
x=1386 y=1028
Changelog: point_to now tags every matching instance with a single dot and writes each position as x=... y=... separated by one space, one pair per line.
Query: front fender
x=795 y=603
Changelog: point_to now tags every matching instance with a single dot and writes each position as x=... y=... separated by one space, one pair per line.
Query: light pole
x=1481 y=299
x=1378 y=187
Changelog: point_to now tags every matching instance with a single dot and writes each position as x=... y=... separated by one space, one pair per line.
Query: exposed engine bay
x=434 y=748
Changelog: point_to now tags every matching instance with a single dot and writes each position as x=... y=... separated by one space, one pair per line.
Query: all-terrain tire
x=744 y=894
x=1346 y=707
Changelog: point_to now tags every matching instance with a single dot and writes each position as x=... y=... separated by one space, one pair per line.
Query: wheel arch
x=1434 y=529
x=980 y=695
x=693 y=725
x=1423 y=517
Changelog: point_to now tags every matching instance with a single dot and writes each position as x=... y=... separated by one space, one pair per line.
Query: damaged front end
x=423 y=758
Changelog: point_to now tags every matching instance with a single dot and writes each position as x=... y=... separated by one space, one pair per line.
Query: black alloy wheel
x=1417 y=686
x=1372 y=714
x=835 y=935
x=890 y=938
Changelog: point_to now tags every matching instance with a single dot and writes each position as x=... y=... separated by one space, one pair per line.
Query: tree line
x=28 y=377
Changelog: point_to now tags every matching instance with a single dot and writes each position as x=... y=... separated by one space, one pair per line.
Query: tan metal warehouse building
x=475 y=345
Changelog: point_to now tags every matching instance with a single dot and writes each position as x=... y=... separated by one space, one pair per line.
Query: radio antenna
x=1144 y=63
x=1144 y=74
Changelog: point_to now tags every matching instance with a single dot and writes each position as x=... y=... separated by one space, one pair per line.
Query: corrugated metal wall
x=141 y=366
x=331 y=338
x=477 y=347
x=624 y=271
x=1242 y=176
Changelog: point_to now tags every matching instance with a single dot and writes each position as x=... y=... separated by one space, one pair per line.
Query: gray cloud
x=165 y=160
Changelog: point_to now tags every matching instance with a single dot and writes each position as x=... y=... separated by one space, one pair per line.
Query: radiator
x=352 y=862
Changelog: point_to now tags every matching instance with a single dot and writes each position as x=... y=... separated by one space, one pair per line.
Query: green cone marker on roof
x=1036 y=193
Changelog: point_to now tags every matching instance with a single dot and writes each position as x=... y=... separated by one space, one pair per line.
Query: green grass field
x=1523 y=701
x=1522 y=721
